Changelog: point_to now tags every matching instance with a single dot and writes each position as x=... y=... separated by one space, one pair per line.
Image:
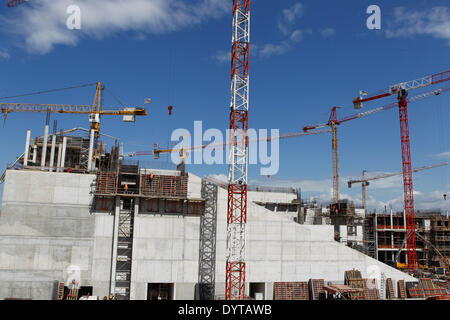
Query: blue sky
x=307 y=56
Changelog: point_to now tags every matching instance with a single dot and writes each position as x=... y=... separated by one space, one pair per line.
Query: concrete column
x=34 y=154
x=58 y=163
x=27 y=148
x=52 y=152
x=112 y=284
x=63 y=154
x=91 y=150
x=44 y=148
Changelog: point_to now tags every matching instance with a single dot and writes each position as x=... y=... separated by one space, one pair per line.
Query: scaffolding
x=207 y=250
x=122 y=284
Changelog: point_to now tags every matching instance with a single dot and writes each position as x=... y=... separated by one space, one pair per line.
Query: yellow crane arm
x=67 y=108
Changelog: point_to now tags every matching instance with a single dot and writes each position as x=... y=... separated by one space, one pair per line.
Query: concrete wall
x=46 y=232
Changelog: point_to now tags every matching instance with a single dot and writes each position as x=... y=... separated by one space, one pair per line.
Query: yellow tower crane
x=95 y=111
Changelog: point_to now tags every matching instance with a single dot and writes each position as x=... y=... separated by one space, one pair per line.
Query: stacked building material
x=432 y=289
x=401 y=289
x=341 y=291
x=371 y=291
x=389 y=289
x=415 y=290
x=316 y=289
x=353 y=279
x=291 y=291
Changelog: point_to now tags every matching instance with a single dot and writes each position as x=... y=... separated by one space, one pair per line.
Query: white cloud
x=327 y=32
x=43 y=25
x=297 y=36
x=434 y=22
x=289 y=17
x=222 y=56
x=4 y=55
x=443 y=155
x=270 y=49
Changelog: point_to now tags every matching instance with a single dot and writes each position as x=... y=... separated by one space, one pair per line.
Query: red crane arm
x=409 y=85
x=416 y=98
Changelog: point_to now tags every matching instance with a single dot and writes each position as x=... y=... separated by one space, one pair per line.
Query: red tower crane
x=401 y=90
x=238 y=156
x=334 y=122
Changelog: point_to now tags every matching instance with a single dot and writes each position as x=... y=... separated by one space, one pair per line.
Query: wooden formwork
x=316 y=288
x=415 y=290
x=389 y=289
x=291 y=291
x=106 y=182
x=371 y=291
x=401 y=289
x=431 y=289
x=353 y=279
x=164 y=186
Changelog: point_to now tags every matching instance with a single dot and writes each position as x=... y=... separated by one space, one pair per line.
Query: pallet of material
x=291 y=291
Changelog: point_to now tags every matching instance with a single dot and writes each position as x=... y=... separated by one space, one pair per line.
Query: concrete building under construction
x=141 y=233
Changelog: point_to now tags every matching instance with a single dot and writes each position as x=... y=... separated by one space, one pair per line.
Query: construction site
x=83 y=220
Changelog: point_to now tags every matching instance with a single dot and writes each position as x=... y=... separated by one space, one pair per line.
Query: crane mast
x=408 y=193
x=237 y=171
x=334 y=145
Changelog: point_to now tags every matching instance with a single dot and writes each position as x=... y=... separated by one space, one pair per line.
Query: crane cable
x=48 y=91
